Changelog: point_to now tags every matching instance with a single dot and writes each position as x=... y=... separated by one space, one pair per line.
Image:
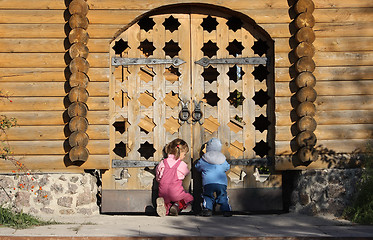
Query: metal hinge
x=118 y=61
x=204 y=62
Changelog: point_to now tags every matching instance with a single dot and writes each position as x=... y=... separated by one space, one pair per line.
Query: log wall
x=34 y=57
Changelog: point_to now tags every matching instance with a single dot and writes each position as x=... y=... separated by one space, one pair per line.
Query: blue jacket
x=213 y=166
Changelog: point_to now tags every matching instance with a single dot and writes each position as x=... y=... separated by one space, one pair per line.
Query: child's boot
x=174 y=209
x=161 y=207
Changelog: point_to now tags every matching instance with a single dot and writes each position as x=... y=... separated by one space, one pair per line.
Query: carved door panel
x=189 y=76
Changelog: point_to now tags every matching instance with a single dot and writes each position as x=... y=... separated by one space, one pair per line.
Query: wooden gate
x=189 y=76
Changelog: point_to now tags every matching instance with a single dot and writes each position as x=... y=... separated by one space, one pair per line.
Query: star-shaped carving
x=146 y=23
x=235 y=48
x=209 y=24
x=211 y=125
x=236 y=98
x=120 y=149
x=212 y=98
x=146 y=124
x=171 y=125
x=209 y=49
x=146 y=150
x=210 y=74
x=234 y=23
x=171 y=48
x=147 y=47
x=260 y=72
x=235 y=126
x=235 y=73
x=171 y=74
x=261 y=148
x=171 y=99
x=260 y=47
x=121 y=125
x=236 y=149
x=120 y=46
x=146 y=74
x=146 y=99
x=261 y=123
x=261 y=98
x=171 y=24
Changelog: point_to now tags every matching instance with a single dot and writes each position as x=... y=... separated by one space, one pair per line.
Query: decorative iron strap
x=204 y=62
x=143 y=163
x=117 y=61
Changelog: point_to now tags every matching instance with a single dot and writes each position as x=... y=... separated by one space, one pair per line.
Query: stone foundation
x=50 y=194
x=323 y=192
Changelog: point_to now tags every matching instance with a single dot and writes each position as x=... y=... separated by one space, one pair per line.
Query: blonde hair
x=176 y=146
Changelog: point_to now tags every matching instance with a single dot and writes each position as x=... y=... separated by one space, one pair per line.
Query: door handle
x=197 y=112
x=184 y=114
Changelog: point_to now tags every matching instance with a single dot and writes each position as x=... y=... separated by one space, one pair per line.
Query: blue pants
x=221 y=197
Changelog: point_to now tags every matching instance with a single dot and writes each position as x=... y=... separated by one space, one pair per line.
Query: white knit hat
x=213 y=144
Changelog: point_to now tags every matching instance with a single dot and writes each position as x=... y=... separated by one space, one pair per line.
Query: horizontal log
x=330 y=73
x=45 y=163
x=119 y=4
x=42 y=45
x=331 y=132
x=338 y=146
x=329 y=117
x=332 y=44
x=323 y=59
x=331 y=88
x=52 y=60
x=107 y=31
x=50 y=104
x=48 y=75
x=44 y=133
x=331 y=103
x=50 y=89
x=101 y=60
x=55 y=31
x=57 y=147
x=45 y=118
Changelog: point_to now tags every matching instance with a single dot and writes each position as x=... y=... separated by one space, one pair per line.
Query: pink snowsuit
x=170 y=174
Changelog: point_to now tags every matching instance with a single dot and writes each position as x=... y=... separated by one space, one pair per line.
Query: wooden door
x=162 y=89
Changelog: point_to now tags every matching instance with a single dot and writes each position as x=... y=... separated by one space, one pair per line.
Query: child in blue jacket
x=213 y=166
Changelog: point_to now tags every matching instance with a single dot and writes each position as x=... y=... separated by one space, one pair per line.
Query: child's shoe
x=206 y=212
x=161 y=208
x=227 y=214
x=174 y=209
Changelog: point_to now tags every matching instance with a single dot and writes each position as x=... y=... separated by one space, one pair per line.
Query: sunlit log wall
x=33 y=51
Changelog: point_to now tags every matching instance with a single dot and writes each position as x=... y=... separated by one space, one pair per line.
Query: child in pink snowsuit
x=170 y=174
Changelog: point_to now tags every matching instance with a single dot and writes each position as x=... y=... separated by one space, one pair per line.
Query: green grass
x=361 y=210
x=9 y=218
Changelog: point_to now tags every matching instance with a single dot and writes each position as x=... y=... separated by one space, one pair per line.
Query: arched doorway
x=194 y=73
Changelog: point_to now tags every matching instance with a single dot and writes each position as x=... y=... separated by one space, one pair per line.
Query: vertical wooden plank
x=159 y=107
x=184 y=33
x=197 y=79
x=222 y=32
x=249 y=91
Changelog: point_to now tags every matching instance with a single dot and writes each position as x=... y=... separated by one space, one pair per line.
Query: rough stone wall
x=324 y=192
x=50 y=194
